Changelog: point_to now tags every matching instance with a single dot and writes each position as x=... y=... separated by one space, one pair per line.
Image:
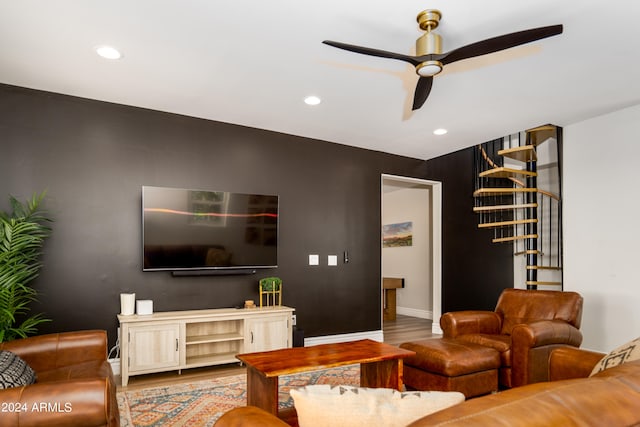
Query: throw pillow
x=340 y=406
x=14 y=371
x=625 y=353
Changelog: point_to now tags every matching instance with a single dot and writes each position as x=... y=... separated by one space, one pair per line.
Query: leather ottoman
x=450 y=365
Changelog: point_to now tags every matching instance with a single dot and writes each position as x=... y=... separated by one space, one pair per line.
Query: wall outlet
x=294 y=320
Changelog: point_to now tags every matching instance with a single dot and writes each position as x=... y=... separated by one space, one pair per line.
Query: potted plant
x=22 y=235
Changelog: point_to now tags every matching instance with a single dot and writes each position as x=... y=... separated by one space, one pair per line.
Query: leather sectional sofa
x=610 y=398
x=74 y=382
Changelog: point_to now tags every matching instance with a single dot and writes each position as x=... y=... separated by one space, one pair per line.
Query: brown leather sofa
x=74 y=382
x=524 y=328
x=610 y=398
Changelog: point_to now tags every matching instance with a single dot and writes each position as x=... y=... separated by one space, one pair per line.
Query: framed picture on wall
x=397 y=235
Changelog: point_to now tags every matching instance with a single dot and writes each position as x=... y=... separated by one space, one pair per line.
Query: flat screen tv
x=207 y=231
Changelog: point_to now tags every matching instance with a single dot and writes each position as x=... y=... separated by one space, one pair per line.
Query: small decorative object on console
x=127 y=304
x=249 y=304
x=270 y=287
x=144 y=306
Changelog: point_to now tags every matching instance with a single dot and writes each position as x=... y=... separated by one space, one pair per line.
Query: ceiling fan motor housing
x=429 y=43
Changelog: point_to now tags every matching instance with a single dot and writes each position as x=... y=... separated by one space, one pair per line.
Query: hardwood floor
x=403 y=329
x=407 y=328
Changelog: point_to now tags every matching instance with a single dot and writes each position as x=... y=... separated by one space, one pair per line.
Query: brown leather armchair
x=525 y=327
x=74 y=382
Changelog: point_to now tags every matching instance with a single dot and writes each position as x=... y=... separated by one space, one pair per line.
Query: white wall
x=413 y=263
x=548 y=179
x=601 y=200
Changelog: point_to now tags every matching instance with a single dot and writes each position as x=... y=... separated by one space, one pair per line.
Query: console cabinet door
x=154 y=347
x=267 y=333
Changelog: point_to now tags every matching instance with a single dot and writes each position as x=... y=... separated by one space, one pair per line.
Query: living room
x=93 y=157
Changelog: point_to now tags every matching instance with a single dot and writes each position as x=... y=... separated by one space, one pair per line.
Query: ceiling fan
x=430 y=60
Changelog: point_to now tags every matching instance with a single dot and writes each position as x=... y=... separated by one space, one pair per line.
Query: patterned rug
x=201 y=403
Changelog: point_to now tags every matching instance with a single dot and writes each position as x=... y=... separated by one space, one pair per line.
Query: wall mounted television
x=194 y=232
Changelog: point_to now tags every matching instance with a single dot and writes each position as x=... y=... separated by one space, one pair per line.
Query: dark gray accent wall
x=474 y=270
x=93 y=158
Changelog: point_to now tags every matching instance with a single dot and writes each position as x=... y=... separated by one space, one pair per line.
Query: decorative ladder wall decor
x=509 y=201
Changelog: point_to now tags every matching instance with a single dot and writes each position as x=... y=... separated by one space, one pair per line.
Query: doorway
x=417 y=204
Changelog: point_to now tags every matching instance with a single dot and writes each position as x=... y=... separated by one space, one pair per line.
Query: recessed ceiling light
x=312 y=100
x=440 y=131
x=108 y=52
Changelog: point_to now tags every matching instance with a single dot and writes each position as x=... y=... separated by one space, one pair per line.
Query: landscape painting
x=396 y=235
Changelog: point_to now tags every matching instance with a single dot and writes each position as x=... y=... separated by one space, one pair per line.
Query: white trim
x=332 y=339
x=436 y=329
x=414 y=312
x=436 y=235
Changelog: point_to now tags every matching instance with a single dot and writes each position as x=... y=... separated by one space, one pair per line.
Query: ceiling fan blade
x=423 y=89
x=499 y=43
x=373 y=52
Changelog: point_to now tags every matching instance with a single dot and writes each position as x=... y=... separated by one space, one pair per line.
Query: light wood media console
x=176 y=340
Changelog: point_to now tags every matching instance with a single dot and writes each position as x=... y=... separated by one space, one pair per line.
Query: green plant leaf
x=22 y=236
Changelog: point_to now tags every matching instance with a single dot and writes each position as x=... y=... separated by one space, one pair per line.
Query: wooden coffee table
x=380 y=366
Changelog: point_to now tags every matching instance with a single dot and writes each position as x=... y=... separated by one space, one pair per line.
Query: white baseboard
x=414 y=312
x=115 y=366
x=332 y=339
x=372 y=335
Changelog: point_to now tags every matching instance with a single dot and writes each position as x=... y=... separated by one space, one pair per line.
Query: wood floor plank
x=407 y=328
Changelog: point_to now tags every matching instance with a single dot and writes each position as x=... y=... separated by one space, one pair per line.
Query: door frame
x=436 y=241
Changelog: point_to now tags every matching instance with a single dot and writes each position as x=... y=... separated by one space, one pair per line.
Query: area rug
x=201 y=403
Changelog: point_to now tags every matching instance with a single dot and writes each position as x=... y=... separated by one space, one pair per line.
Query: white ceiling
x=251 y=62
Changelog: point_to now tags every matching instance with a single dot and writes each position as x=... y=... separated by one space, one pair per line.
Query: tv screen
x=208 y=230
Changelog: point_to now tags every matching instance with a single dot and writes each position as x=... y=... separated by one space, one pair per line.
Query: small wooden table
x=389 y=285
x=380 y=366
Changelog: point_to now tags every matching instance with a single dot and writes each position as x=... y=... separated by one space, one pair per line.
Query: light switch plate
x=314 y=259
x=332 y=260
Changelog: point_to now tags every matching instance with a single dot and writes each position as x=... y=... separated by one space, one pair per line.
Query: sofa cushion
x=610 y=401
x=502 y=343
x=85 y=370
x=451 y=357
x=14 y=372
x=340 y=406
x=624 y=353
x=518 y=306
